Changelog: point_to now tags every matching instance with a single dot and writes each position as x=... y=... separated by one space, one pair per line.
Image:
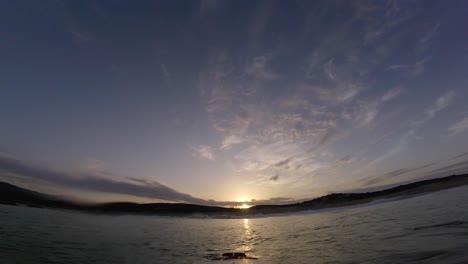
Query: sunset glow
x=207 y=102
x=244 y=206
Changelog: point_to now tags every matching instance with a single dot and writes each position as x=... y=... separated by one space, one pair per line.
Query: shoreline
x=16 y=196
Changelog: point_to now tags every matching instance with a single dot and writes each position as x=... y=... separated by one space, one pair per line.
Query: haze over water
x=431 y=228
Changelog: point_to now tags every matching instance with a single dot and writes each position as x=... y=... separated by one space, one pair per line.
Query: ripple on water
x=434 y=255
x=442 y=225
x=398 y=232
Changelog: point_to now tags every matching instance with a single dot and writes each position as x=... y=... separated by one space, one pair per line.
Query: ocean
x=431 y=228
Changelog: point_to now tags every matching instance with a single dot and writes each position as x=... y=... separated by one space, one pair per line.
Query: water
x=427 y=229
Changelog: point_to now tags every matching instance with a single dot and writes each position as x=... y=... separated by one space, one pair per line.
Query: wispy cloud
x=343 y=161
x=454 y=168
x=405 y=138
x=94 y=165
x=90 y=180
x=440 y=104
x=426 y=41
x=459 y=156
x=430 y=34
x=367 y=112
x=204 y=151
x=280 y=129
x=414 y=69
x=258 y=68
x=392 y=93
x=230 y=141
x=165 y=71
x=106 y=182
x=459 y=127
x=393 y=174
x=279 y=118
x=329 y=69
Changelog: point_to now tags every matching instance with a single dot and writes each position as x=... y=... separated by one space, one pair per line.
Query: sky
x=217 y=102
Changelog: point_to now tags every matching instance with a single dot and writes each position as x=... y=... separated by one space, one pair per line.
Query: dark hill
x=13 y=195
x=347 y=199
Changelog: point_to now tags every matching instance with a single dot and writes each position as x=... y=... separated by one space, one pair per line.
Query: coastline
x=16 y=196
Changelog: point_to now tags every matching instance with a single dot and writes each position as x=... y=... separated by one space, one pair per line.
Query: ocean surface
x=432 y=228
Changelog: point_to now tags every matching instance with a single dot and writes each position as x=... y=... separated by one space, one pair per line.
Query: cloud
x=265 y=131
x=346 y=158
x=230 y=141
x=266 y=157
x=274 y=177
x=459 y=127
x=458 y=167
x=283 y=163
x=259 y=68
x=93 y=165
x=328 y=137
x=95 y=181
x=381 y=19
x=284 y=127
x=342 y=161
x=164 y=71
x=402 y=142
x=204 y=151
x=368 y=111
x=440 y=104
x=395 y=173
x=459 y=156
x=429 y=35
x=341 y=92
x=328 y=67
x=391 y=93
x=106 y=182
x=414 y=69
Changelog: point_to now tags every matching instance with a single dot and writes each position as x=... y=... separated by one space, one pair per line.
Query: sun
x=244 y=206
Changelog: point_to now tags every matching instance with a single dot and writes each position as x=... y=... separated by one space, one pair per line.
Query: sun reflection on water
x=247 y=243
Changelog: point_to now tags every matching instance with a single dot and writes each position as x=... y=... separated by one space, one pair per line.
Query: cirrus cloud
x=459 y=127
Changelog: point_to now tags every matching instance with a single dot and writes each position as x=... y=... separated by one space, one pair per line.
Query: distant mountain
x=13 y=195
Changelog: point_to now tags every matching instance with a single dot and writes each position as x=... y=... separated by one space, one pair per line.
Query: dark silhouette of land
x=13 y=195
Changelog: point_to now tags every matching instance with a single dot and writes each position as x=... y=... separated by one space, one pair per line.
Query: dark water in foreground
x=426 y=229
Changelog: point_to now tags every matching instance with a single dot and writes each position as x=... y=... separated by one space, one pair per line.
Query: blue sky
x=195 y=101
